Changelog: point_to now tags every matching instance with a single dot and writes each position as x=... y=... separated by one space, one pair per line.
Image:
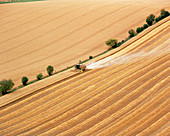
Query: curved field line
x=96 y=74
x=79 y=83
x=14 y=13
x=146 y=121
x=165 y=132
x=51 y=20
x=116 y=115
x=34 y=63
x=63 y=37
x=75 y=131
x=144 y=98
x=7 y=108
x=33 y=6
x=72 y=86
x=34 y=19
x=133 y=40
x=28 y=64
x=156 y=101
x=37 y=16
x=131 y=97
x=157 y=124
x=105 y=113
x=57 y=121
x=84 y=26
x=62 y=89
x=20 y=17
x=142 y=40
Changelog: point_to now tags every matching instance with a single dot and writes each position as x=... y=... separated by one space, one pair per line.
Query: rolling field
x=60 y=33
x=129 y=97
x=125 y=92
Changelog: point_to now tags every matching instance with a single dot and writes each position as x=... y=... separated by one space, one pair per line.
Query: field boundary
x=18 y=1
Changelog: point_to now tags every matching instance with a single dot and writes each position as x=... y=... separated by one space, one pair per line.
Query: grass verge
x=17 y=1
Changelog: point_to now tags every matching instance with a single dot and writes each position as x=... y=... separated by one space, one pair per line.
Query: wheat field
x=125 y=93
x=34 y=35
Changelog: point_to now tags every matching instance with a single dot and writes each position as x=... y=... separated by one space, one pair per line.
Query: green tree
x=50 y=70
x=145 y=26
x=138 y=30
x=24 y=80
x=6 y=85
x=164 y=13
x=157 y=19
x=112 y=43
x=150 y=19
x=90 y=57
x=120 y=43
x=39 y=76
x=132 y=33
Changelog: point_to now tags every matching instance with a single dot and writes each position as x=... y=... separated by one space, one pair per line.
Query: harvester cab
x=80 y=67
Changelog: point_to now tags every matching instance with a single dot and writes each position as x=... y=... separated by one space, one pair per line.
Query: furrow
x=22 y=35
x=129 y=109
x=136 y=115
x=31 y=125
x=146 y=121
x=151 y=129
x=106 y=113
x=165 y=132
x=43 y=92
x=68 y=34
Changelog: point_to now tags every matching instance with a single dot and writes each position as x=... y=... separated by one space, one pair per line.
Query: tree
x=90 y=57
x=50 y=70
x=150 y=19
x=6 y=85
x=138 y=30
x=39 y=76
x=142 y=28
x=149 y=22
x=132 y=33
x=120 y=43
x=145 y=26
x=112 y=43
x=24 y=80
x=164 y=13
x=158 y=19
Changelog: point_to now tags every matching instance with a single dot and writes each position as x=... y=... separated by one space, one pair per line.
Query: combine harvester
x=95 y=64
x=98 y=64
x=80 y=68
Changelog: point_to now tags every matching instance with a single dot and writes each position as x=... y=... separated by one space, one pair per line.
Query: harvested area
x=129 y=97
x=60 y=33
x=125 y=92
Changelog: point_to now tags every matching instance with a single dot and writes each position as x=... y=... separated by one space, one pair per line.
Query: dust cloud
x=131 y=57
